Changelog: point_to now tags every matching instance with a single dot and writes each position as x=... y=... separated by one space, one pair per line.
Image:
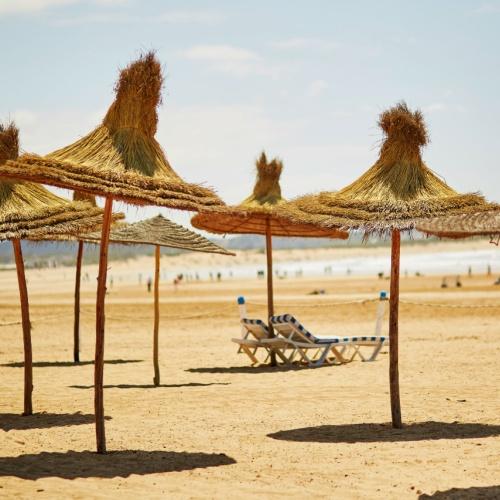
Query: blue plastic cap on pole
x=383 y=294
x=241 y=300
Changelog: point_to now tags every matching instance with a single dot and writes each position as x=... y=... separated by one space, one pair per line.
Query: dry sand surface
x=218 y=428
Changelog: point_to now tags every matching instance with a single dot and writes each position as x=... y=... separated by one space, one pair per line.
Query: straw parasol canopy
x=122 y=160
x=254 y=213
x=158 y=231
x=396 y=193
x=463 y=226
x=29 y=211
x=121 y=157
x=258 y=214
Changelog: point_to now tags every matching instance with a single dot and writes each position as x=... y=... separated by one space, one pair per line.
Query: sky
x=303 y=80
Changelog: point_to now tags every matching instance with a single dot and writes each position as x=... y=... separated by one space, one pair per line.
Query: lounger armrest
x=248 y=342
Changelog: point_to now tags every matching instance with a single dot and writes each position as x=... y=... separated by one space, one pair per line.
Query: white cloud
x=110 y=2
x=30 y=6
x=41 y=132
x=190 y=16
x=122 y=17
x=220 y=53
x=316 y=88
x=303 y=43
x=435 y=106
x=488 y=8
x=232 y=60
x=24 y=118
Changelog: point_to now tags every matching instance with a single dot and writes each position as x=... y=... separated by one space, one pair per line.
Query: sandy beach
x=218 y=428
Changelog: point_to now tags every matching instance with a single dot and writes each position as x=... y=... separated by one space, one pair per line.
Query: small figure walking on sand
x=458 y=283
x=149 y=283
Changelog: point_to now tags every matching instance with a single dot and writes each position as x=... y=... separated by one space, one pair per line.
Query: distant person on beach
x=488 y=270
x=219 y=276
x=444 y=283
x=470 y=272
x=458 y=283
x=149 y=283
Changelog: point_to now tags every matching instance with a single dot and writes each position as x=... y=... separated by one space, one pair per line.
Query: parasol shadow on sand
x=43 y=420
x=31 y=212
x=119 y=160
x=396 y=194
x=472 y=493
x=385 y=433
x=254 y=370
x=65 y=364
x=85 y=464
x=257 y=215
x=150 y=386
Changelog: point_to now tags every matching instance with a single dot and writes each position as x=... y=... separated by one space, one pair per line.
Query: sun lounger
x=255 y=333
x=325 y=350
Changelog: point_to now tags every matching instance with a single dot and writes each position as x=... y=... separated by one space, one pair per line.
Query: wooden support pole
x=25 y=319
x=76 y=325
x=156 y=364
x=100 y=320
x=270 y=292
x=393 y=330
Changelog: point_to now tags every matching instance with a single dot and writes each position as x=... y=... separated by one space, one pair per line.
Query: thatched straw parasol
x=392 y=196
x=257 y=215
x=120 y=160
x=29 y=211
x=160 y=232
x=463 y=226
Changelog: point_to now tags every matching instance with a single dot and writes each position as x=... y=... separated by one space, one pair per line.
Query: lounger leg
x=250 y=354
x=291 y=356
x=340 y=358
x=357 y=351
x=375 y=352
x=303 y=356
x=281 y=355
x=324 y=357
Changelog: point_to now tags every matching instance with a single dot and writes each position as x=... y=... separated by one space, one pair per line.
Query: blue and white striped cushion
x=288 y=318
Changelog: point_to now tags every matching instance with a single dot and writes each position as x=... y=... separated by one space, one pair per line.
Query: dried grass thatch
x=121 y=157
x=463 y=226
x=254 y=213
x=29 y=211
x=395 y=193
x=89 y=198
x=158 y=231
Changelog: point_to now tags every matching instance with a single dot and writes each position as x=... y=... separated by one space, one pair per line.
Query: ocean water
x=442 y=263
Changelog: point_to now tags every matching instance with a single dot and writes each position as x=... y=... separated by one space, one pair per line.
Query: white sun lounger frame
x=290 y=329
